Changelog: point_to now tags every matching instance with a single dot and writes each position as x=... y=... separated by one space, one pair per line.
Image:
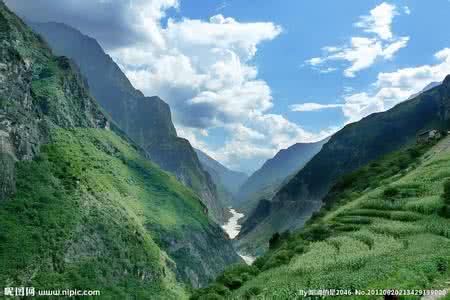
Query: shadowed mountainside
x=347 y=150
x=147 y=120
x=81 y=206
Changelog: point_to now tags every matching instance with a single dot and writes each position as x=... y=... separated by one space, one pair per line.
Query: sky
x=245 y=79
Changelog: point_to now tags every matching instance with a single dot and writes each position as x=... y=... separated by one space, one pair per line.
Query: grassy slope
x=131 y=110
x=388 y=233
x=80 y=214
x=90 y=211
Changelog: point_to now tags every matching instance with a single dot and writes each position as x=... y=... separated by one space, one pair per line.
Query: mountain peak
x=447 y=80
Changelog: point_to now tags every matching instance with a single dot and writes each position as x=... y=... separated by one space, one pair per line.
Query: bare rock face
x=147 y=120
x=45 y=101
x=28 y=111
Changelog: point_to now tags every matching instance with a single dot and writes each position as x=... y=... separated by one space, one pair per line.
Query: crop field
x=393 y=235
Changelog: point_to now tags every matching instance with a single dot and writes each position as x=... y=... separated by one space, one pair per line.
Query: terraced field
x=393 y=235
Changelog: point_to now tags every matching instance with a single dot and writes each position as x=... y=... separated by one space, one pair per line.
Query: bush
x=442 y=264
x=274 y=241
x=445 y=211
x=235 y=276
x=390 y=192
x=280 y=258
x=260 y=262
x=446 y=194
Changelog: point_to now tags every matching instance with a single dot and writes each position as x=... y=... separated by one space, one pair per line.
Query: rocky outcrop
x=147 y=120
x=27 y=110
x=85 y=191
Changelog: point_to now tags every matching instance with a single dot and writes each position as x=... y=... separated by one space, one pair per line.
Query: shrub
x=280 y=258
x=445 y=211
x=235 y=276
x=390 y=192
x=275 y=241
x=446 y=194
x=442 y=264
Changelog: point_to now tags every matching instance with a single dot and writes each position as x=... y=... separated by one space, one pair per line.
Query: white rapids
x=232 y=228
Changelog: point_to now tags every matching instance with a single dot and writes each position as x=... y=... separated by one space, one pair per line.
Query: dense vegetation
x=78 y=218
x=351 y=148
x=385 y=226
x=92 y=212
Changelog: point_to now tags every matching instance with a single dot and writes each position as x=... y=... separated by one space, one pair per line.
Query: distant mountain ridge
x=350 y=148
x=226 y=180
x=265 y=182
x=147 y=120
x=426 y=88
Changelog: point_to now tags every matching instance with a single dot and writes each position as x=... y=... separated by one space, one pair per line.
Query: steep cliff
x=147 y=120
x=265 y=182
x=81 y=205
x=227 y=181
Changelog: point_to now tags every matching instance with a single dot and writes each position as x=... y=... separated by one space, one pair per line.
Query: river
x=232 y=228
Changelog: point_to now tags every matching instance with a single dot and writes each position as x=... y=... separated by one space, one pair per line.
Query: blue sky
x=248 y=78
x=309 y=26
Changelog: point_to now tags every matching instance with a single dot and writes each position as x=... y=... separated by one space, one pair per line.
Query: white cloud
x=204 y=70
x=362 y=52
x=304 y=107
x=249 y=145
x=379 y=21
x=395 y=87
x=406 y=10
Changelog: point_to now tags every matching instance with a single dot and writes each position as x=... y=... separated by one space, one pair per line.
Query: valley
x=145 y=161
x=232 y=229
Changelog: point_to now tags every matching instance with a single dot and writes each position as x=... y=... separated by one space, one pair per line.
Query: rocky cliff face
x=227 y=181
x=30 y=105
x=147 y=120
x=265 y=182
x=79 y=200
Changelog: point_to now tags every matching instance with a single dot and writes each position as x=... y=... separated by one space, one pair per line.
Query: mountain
x=81 y=206
x=426 y=88
x=147 y=120
x=265 y=182
x=347 y=150
x=226 y=180
x=388 y=229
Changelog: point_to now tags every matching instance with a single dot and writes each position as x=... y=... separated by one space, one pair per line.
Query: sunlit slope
x=92 y=212
x=393 y=234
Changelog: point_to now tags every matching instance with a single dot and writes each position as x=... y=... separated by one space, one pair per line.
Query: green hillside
x=385 y=229
x=81 y=206
x=79 y=217
x=147 y=120
x=349 y=149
